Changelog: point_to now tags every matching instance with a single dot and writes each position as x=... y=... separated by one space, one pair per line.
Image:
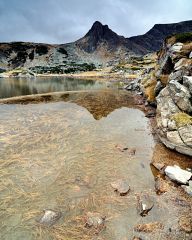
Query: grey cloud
x=60 y=21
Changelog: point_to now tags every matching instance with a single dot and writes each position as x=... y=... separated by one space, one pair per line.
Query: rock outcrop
x=174 y=101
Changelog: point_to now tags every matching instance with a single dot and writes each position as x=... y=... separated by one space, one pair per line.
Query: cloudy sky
x=61 y=21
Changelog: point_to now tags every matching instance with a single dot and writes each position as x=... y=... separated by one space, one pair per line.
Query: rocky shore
x=168 y=87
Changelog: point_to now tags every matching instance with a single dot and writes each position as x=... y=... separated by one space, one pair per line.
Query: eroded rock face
x=176 y=98
x=180 y=96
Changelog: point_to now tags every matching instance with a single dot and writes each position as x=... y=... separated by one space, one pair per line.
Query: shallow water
x=10 y=87
x=63 y=156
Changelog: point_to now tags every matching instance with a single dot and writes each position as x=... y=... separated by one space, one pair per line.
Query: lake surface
x=64 y=155
x=10 y=87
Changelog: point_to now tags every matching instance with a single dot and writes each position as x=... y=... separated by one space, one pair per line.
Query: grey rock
x=133 y=85
x=180 y=64
x=178 y=75
x=158 y=88
x=171 y=125
x=176 y=48
x=174 y=137
x=166 y=66
x=180 y=95
x=185 y=133
x=121 y=186
x=177 y=174
x=179 y=148
x=187 y=82
x=50 y=217
x=190 y=55
x=145 y=204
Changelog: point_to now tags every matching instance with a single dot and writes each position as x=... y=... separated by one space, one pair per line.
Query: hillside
x=99 y=46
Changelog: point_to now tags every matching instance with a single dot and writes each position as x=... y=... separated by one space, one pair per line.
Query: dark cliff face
x=153 y=39
x=149 y=42
x=97 y=35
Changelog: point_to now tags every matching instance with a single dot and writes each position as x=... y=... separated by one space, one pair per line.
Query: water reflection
x=10 y=87
x=62 y=156
x=56 y=155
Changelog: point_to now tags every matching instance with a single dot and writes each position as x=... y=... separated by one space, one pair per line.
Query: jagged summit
x=97 y=35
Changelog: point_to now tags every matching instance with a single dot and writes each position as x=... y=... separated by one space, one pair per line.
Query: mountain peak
x=98 y=34
x=97 y=23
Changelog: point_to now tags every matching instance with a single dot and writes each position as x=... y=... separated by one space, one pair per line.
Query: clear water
x=10 y=87
x=45 y=148
x=63 y=156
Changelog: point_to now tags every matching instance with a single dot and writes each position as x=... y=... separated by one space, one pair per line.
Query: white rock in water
x=49 y=217
x=178 y=174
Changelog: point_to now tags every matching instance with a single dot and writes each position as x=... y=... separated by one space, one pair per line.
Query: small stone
x=50 y=217
x=121 y=186
x=94 y=220
x=161 y=186
x=185 y=223
x=145 y=204
x=158 y=166
x=177 y=174
x=132 y=151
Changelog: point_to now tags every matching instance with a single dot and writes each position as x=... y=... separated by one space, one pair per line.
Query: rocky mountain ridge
x=99 y=46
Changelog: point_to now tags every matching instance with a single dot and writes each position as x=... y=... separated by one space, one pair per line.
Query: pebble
x=50 y=217
x=95 y=220
x=121 y=186
x=145 y=204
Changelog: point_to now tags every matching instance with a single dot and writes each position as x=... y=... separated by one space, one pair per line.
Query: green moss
x=184 y=37
x=182 y=119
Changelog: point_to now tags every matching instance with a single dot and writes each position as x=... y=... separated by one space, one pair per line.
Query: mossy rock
x=182 y=119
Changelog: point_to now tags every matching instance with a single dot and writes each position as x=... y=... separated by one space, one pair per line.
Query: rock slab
x=177 y=174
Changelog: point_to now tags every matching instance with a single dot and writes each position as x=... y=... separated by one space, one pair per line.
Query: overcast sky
x=61 y=21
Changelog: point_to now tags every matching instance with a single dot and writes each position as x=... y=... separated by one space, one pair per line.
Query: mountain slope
x=99 y=46
x=153 y=39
